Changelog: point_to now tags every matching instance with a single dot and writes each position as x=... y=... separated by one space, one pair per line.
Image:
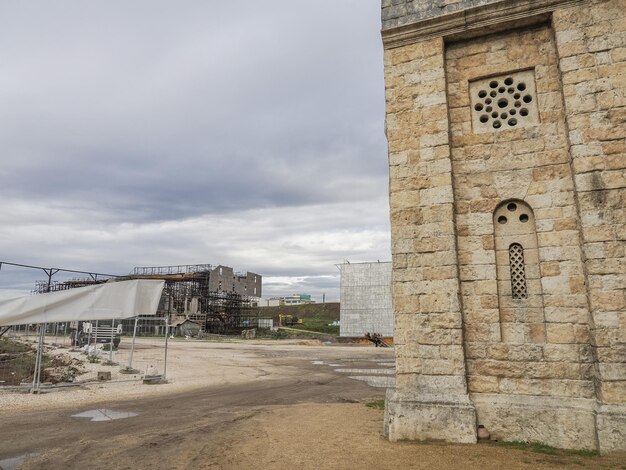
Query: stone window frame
x=520 y=108
x=514 y=224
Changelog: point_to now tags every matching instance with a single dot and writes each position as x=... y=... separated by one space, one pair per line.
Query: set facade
x=506 y=124
x=365 y=299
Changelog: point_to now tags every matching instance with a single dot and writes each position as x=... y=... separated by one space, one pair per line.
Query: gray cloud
x=154 y=132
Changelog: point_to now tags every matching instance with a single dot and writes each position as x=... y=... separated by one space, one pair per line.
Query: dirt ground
x=252 y=405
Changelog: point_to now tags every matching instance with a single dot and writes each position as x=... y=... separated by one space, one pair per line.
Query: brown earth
x=296 y=414
x=17 y=363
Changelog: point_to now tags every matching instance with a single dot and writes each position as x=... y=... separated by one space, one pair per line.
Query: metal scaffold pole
x=129 y=368
x=38 y=359
x=112 y=341
x=167 y=334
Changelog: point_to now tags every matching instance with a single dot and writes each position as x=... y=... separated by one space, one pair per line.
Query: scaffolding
x=55 y=286
x=187 y=294
x=171 y=270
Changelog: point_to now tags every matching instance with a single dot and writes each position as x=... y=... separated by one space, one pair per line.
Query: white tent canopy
x=109 y=301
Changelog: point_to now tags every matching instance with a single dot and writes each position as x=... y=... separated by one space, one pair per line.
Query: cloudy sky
x=150 y=132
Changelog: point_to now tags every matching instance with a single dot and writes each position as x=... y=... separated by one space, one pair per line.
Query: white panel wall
x=365 y=299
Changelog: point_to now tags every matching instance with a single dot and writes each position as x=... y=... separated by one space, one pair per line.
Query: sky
x=148 y=133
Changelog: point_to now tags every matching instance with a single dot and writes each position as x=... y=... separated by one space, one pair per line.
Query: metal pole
x=38 y=359
x=42 y=332
x=89 y=338
x=167 y=334
x=36 y=362
x=132 y=345
x=111 y=345
x=95 y=339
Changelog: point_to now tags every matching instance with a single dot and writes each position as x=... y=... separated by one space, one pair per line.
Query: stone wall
x=550 y=366
x=591 y=45
x=224 y=279
x=431 y=381
x=538 y=346
x=403 y=12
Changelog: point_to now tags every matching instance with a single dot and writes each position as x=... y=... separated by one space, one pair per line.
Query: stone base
x=558 y=422
x=612 y=428
x=412 y=418
x=563 y=423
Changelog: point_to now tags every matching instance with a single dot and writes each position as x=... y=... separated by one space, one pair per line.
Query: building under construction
x=218 y=298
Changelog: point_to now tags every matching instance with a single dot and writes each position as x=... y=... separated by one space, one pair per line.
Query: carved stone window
x=518 y=272
x=504 y=102
x=520 y=298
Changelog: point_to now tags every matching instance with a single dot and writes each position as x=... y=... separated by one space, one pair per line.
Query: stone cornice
x=485 y=17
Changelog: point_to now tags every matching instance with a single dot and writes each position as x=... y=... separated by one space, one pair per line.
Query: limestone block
x=561 y=352
x=548 y=387
x=567 y=315
x=453 y=420
x=613 y=392
x=611 y=422
x=613 y=371
x=480 y=315
x=565 y=424
x=431 y=385
x=483 y=384
x=616 y=353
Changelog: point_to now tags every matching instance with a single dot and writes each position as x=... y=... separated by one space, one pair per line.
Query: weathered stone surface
x=536 y=334
x=538 y=419
x=401 y=12
x=611 y=428
x=414 y=418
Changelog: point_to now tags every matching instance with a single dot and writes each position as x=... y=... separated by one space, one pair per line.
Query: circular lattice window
x=504 y=102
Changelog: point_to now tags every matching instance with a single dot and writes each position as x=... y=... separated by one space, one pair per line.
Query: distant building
x=297 y=299
x=365 y=295
x=216 y=297
x=224 y=278
x=294 y=299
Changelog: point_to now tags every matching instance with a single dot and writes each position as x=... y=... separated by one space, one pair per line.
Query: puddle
x=103 y=414
x=376 y=381
x=317 y=363
x=367 y=371
x=14 y=462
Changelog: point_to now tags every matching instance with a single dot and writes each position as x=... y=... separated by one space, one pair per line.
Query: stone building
x=506 y=123
x=225 y=279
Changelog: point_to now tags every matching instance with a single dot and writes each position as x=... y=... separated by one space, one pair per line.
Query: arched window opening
x=519 y=289
x=520 y=298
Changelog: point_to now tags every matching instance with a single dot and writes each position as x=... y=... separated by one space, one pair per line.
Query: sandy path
x=191 y=365
x=346 y=436
x=243 y=406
